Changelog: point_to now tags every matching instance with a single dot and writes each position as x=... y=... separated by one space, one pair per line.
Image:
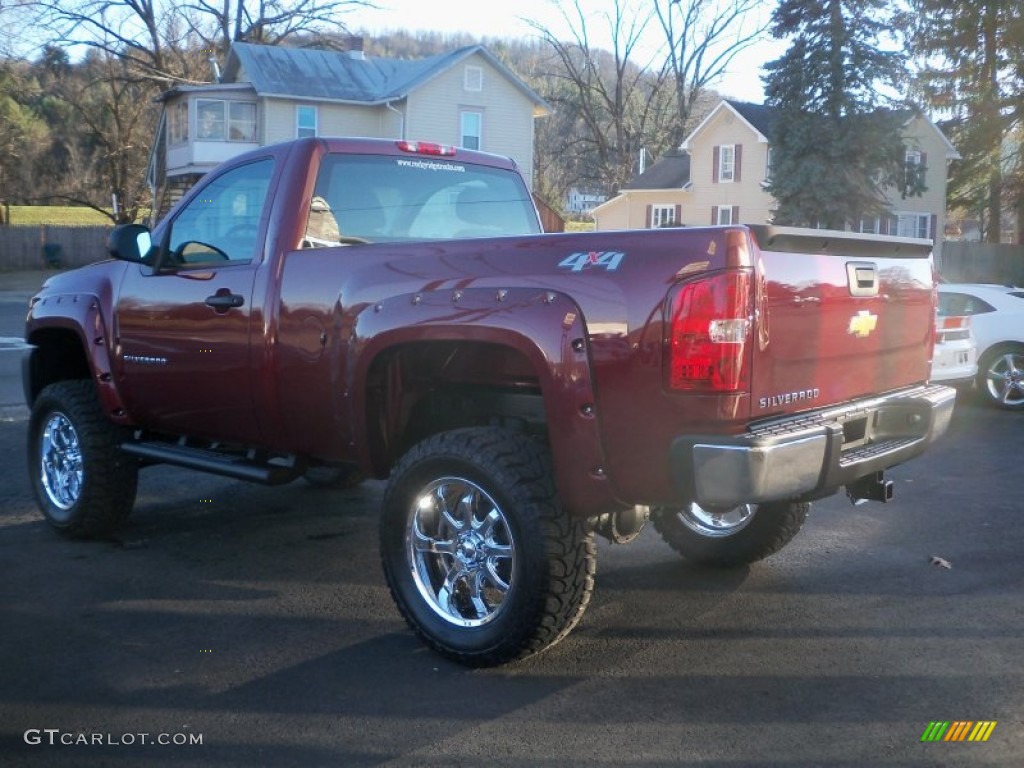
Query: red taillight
x=954 y=322
x=953 y=328
x=709 y=333
x=425 y=148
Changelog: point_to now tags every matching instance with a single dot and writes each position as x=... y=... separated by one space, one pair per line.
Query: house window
x=178 y=123
x=305 y=122
x=914 y=168
x=872 y=225
x=725 y=214
x=241 y=121
x=473 y=79
x=727 y=164
x=470 y=129
x=219 y=120
x=210 y=119
x=663 y=216
x=914 y=225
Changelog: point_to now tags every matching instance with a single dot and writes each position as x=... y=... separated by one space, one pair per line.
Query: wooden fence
x=51 y=246
x=982 y=263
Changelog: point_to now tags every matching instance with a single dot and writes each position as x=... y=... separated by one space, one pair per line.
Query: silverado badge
x=862 y=324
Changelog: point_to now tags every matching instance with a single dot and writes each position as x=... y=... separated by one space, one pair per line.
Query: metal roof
x=323 y=75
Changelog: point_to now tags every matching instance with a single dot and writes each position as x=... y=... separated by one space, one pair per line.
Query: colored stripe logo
x=958 y=730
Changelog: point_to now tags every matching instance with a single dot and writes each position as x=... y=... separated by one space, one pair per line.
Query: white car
x=997 y=321
x=955 y=355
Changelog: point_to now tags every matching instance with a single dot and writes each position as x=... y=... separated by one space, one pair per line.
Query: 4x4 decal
x=577 y=262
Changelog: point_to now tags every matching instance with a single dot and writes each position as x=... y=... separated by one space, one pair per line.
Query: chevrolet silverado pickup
x=345 y=308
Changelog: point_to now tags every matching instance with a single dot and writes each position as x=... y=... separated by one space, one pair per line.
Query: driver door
x=185 y=325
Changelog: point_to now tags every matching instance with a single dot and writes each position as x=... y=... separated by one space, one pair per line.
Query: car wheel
x=730 y=537
x=84 y=484
x=1001 y=376
x=480 y=558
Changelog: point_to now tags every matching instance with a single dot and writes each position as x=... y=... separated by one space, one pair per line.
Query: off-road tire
x=550 y=573
x=102 y=499
x=771 y=527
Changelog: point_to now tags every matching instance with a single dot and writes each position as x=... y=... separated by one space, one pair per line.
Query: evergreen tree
x=972 y=54
x=837 y=147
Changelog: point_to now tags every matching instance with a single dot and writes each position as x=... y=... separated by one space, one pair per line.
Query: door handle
x=224 y=301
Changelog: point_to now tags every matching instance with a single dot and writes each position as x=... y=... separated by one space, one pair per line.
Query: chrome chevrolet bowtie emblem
x=862 y=324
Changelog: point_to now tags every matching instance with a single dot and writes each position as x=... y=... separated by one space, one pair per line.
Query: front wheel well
x=418 y=390
x=57 y=355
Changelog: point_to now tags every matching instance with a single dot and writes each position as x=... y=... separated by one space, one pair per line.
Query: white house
x=267 y=94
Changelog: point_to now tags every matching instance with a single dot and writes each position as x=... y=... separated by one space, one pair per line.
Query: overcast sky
x=508 y=19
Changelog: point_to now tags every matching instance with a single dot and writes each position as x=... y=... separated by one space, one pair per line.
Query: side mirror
x=130 y=242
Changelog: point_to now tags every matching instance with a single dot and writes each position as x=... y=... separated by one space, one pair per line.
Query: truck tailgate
x=842 y=315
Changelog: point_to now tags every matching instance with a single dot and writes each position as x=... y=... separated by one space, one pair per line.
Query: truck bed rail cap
x=802 y=240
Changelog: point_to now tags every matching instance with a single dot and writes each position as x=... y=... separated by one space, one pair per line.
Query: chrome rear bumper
x=812 y=454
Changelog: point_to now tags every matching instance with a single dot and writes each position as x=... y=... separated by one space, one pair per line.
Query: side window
x=962 y=304
x=221 y=224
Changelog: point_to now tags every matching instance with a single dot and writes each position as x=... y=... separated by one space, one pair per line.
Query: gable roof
x=670 y=172
x=763 y=121
x=316 y=74
x=755 y=116
x=761 y=118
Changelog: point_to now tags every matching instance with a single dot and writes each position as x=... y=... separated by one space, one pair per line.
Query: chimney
x=354 y=47
x=214 y=69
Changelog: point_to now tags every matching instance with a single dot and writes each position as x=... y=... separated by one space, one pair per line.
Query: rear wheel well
x=57 y=356
x=418 y=390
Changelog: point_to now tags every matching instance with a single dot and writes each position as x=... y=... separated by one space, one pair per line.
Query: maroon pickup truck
x=340 y=309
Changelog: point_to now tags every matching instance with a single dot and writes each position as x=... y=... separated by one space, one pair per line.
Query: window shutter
x=736 y=214
x=715 y=153
x=714 y=214
x=679 y=215
x=650 y=216
x=934 y=223
x=737 y=162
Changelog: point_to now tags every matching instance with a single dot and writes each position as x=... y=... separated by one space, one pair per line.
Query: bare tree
x=105 y=164
x=702 y=38
x=611 y=103
x=154 y=36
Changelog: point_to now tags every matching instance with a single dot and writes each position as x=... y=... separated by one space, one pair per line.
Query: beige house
x=718 y=177
x=267 y=94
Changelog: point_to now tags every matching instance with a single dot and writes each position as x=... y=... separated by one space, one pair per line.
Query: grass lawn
x=579 y=226
x=36 y=215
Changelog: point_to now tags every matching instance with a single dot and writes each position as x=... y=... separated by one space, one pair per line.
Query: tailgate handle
x=862 y=277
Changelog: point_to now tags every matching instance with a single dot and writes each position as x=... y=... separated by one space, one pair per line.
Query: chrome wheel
x=1004 y=379
x=61 y=466
x=730 y=537
x=460 y=551
x=716 y=523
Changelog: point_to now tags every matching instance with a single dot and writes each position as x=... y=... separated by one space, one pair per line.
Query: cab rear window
x=391 y=199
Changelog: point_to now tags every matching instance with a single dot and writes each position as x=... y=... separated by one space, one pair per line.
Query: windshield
x=389 y=199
